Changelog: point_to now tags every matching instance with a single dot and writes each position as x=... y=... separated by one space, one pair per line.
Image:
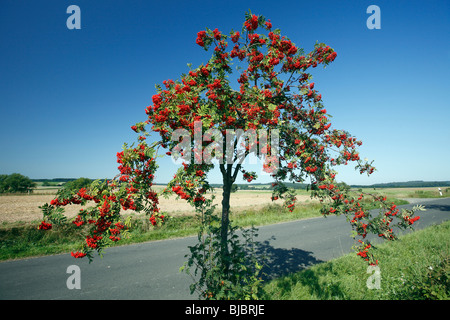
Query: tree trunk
x=228 y=179
x=225 y=218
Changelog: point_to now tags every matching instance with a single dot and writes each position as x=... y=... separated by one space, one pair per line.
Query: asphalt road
x=151 y=270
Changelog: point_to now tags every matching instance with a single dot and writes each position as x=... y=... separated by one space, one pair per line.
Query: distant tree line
x=55 y=180
x=67 y=184
x=408 y=184
x=261 y=186
x=17 y=183
x=303 y=186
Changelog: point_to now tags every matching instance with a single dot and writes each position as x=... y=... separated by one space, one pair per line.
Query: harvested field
x=14 y=208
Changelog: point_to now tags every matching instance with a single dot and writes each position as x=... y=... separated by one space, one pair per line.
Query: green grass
x=426 y=194
x=414 y=268
x=21 y=241
x=410 y=192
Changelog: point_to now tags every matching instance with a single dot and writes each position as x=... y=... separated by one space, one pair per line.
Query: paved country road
x=151 y=270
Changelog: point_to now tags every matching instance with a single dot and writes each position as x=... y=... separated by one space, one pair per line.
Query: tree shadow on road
x=440 y=207
x=280 y=261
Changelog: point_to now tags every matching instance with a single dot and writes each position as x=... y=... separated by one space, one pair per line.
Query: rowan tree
x=212 y=117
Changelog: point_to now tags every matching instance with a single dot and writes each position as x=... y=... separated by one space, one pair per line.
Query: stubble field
x=25 y=208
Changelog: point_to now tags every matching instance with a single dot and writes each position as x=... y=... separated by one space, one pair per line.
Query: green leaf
x=271 y=107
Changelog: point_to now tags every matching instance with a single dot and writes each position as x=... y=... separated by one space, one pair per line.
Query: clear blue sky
x=69 y=97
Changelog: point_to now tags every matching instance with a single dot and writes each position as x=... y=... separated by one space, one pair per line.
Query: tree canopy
x=15 y=182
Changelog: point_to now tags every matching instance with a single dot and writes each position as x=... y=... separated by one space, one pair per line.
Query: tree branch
x=236 y=170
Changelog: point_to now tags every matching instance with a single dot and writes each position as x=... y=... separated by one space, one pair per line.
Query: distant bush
x=15 y=183
x=50 y=183
x=77 y=184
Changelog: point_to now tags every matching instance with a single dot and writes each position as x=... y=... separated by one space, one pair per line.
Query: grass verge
x=417 y=267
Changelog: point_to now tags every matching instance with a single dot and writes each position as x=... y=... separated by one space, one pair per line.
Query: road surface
x=151 y=270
